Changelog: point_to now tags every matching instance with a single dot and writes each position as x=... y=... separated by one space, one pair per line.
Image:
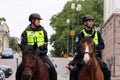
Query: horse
x=33 y=66
x=91 y=69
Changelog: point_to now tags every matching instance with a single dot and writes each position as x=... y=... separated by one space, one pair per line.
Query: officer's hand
x=43 y=47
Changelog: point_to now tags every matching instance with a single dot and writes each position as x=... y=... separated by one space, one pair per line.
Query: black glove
x=43 y=48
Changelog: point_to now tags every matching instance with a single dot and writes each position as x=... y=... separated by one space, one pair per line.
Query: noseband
x=90 y=61
x=87 y=54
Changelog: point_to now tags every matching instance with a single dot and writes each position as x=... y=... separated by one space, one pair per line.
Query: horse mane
x=87 y=39
x=28 y=49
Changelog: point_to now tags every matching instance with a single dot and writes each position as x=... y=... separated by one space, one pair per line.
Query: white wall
x=110 y=7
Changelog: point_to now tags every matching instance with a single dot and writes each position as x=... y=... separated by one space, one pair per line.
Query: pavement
x=115 y=78
x=63 y=73
x=59 y=63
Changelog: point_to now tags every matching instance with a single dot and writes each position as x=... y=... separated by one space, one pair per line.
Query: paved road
x=63 y=73
x=11 y=63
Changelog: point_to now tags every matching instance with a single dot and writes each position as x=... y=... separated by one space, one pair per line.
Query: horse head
x=87 y=49
x=91 y=69
x=29 y=60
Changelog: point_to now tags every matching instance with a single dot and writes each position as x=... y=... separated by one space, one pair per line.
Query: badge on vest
x=32 y=33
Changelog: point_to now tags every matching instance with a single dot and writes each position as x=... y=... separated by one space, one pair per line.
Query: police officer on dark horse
x=36 y=33
x=77 y=62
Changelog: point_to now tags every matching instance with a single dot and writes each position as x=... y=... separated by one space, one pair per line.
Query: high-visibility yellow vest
x=35 y=36
x=95 y=39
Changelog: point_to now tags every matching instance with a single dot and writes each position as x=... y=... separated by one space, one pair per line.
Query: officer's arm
x=46 y=39
x=24 y=38
x=101 y=44
x=77 y=57
x=44 y=48
x=77 y=41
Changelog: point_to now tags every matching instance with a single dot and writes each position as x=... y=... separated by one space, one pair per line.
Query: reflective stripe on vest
x=35 y=36
x=95 y=39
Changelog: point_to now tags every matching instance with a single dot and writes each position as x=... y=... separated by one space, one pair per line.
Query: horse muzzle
x=26 y=76
x=86 y=58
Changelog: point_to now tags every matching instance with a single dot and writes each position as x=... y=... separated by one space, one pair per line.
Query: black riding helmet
x=86 y=18
x=34 y=16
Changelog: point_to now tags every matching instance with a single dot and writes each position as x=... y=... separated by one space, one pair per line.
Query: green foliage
x=14 y=44
x=62 y=30
x=2 y=19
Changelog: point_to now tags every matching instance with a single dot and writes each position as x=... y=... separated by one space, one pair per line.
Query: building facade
x=4 y=36
x=111 y=35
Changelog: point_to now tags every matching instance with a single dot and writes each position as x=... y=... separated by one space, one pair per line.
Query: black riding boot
x=105 y=69
x=19 y=72
x=106 y=72
x=74 y=73
x=54 y=74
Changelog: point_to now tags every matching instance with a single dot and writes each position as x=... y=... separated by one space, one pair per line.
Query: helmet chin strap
x=34 y=23
x=88 y=26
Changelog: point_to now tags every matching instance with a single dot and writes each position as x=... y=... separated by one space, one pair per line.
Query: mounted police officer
x=36 y=33
x=77 y=62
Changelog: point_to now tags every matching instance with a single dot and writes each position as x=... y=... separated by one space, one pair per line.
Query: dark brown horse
x=33 y=66
x=91 y=69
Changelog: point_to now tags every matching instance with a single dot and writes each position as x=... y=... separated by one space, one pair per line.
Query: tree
x=14 y=44
x=2 y=19
x=58 y=23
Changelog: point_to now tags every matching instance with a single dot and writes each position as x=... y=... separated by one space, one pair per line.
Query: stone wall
x=111 y=36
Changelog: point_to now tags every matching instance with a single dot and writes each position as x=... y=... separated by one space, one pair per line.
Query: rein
x=28 y=66
x=91 y=62
x=91 y=55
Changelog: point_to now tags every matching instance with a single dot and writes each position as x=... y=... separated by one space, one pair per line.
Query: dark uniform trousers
x=75 y=70
x=49 y=65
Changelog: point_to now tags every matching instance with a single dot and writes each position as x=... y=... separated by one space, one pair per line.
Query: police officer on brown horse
x=77 y=62
x=36 y=33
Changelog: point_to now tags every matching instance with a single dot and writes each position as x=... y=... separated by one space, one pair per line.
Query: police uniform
x=39 y=35
x=99 y=46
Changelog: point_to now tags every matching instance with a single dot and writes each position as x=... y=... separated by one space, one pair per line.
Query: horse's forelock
x=29 y=49
x=86 y=39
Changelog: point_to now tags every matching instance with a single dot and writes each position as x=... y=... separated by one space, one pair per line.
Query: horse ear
x=21 y=46
x=35 y=46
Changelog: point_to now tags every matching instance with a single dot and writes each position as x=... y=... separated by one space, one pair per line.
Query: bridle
x=33 y=69
x=87 y=56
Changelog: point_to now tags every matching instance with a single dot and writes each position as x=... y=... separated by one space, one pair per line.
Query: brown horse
x=91 y=69
x=33 y=66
